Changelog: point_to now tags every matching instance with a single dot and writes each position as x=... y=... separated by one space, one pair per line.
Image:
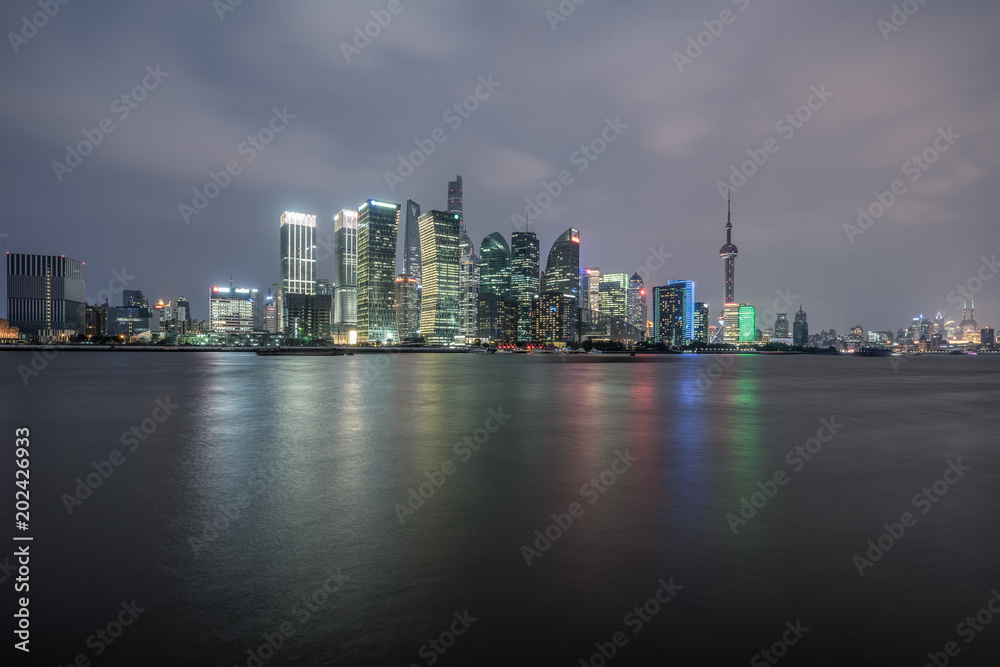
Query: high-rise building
x=562 y=275
x=183 y=309
x=731 y=323
x=553 y=318
x=748 y=323
x=701 y=322
x=231 y=310
x=673 y=319
x=971 y=333
x=590 y=291
x=800 y=329
x=637 y=313
x=345 y=267
x=494 y=288
x=729 y=253
x=524 y=279
x=613 y=296
x=378 y=226
x=441 y=265
x=455 y=196
x=45 y=293
x=407 y=315
x=988 y=336
x=781 y=326
x=411 y=249
x=468 y=286
x=298 y=253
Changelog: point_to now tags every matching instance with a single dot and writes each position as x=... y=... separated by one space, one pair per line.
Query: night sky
x=690 y=117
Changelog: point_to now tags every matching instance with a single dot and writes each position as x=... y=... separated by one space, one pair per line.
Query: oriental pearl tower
x=728 y=253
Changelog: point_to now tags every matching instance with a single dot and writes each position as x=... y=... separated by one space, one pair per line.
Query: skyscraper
x=701 y=322
x=411 y=250
x=800 y=329
x=455 y=196
x=440 y=257
x=468 y=285
x=781 y=326
x=970 y=331
x=45 y=293
x=687 y=309
x=664 y=311
x=407 y=315
x=562 y=276
x=298 y=253
x=590 y=291
x=231 y=310
x=728 y=253
x=524 y=280
x=613 y=296
x=637 y=313
x=731 y=323
x=748 y=323
x=674 y=317
x=494 y=301
x=378 y=225
x=345 y=267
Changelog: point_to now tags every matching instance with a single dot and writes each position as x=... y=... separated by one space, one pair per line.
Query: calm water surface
x=228 y=517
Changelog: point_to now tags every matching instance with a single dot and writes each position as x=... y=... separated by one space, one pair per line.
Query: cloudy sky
x=695 y=89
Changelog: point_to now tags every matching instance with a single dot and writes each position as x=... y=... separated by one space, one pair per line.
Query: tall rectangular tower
x=439 y=253
x=298 y=253
x=45 y=292
x=524 y=278
x=345 y=267
x=378 y=226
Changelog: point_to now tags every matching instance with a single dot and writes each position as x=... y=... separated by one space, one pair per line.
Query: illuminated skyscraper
x=748 y=323
x=345 y=267
x=781 y=326
x=637 y=313
x=231 y=310
x=378 y=226
x=701 y=322
x=45 y=293
x=455 y=196
x=562 y=275
x=407 y=315
x=800 y=329
x=613 y=296
x=411 y=250
x=731 y=323
x=590 y=291
x=674 y=316
x=524 y=278
x=971 y=333
x=298 y=253
x=494 y=289
x=440 y=259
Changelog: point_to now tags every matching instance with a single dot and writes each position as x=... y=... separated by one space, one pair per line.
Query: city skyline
x=655 y=185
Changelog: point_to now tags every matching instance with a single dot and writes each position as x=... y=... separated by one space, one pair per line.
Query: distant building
x=781 y=326
x=378 y=225
x=440 y=257
x=590 y=292
x=494 y=289
x=748 y=324
x=553 y=318
x=8 y=332
x=800 y=328
x=731 y=323
x=407 y=313
x=45 y=293
x=298 y=253
x=613 y=296
x=970 y=331
x=498 y=318
x=562 y=276
x=988 y=336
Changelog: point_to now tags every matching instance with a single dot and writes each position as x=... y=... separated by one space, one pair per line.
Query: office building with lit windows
x=231 y=310
x=45 y=293
x=441 y=265
x=702 y=318
x=345 y=267
x=747 y=323
x=637 y=311
x=298 y=253
x=613 y=296
x=407 y=313
x=378 y=226
x=524 y=278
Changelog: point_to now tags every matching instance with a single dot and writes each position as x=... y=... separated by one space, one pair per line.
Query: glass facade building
x=378 y=226
x=45 y=292
x=407 y=313
x=231 y=310
x=613 y=296
x=440 y=256
x=345 y=267
x=524 y=278
x=748 y=323
x=637 y=311
x=298 y=253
